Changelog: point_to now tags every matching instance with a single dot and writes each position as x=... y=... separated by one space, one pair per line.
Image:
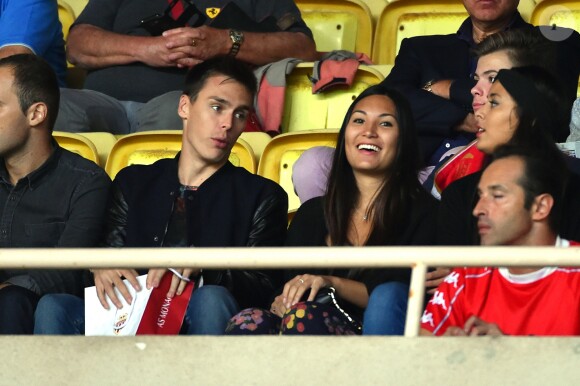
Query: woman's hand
x=278 y=307
x=295 y=288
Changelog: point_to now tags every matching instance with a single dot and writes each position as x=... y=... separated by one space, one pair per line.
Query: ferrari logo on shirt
x=212 y=12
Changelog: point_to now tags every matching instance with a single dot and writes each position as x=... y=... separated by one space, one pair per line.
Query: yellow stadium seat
x=257 y=141
x=77 y=5
x=77 y=144
x=66 y=15
x=563 y=13
x=282 y=152
x=146 y=147
x=104 y=142
x=305 y=111
x=407 y=18
x=339 y=24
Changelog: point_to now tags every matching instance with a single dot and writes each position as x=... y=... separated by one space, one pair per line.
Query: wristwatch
x=237 y=40
x=429 y=86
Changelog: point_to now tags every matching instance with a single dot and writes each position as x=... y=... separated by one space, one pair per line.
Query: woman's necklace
x=365 y=214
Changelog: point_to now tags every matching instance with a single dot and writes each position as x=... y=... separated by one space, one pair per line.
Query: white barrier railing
x=417 y=258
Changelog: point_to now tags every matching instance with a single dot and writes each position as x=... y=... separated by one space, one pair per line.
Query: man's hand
x=434 y=278
x=190 y=46
x=177 y=283
x=107 y=279
x=442 y=88
x=295 y=288
x=155 y=53
x=477 y=327
x=468 y=125
x=474 y=327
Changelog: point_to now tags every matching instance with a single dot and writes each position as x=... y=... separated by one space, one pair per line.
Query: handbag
x=327 y=295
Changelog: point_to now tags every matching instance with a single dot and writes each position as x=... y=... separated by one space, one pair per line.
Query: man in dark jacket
x=196 y=199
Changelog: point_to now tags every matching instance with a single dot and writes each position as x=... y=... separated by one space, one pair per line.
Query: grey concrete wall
x=276 y=360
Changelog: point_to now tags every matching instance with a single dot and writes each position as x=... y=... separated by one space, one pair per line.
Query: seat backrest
x=257 y=141
x=146 y=147
x=77 y=5
x=66 y=15
x=408 y=18
x=563 y=13
x=77 y=144
x=306 y=111
x=282 y=152
x=104 y=142
x=339 y=24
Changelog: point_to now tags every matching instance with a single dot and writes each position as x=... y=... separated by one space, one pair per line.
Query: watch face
x=237 y=36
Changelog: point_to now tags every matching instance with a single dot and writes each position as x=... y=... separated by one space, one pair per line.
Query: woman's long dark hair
x=542 y=112
x=401 y=186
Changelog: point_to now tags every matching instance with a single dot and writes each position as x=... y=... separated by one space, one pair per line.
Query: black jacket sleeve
x=456 y=224
x=253 y=288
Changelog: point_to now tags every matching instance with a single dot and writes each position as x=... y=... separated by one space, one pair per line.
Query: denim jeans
x=208 y=313
x=386 y=310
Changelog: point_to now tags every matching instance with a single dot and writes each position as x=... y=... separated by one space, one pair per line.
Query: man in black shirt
x=49 y=197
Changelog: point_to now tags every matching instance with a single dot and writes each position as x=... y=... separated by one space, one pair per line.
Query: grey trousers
x=84 y=111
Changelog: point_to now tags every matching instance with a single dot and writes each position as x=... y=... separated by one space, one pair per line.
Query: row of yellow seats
x=114 y=153
x=272 y=158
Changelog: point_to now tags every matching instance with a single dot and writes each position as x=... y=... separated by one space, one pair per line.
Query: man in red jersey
x=519 y=196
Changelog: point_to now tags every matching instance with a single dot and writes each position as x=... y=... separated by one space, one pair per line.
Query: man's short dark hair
x=34 y=81
x=545 y=171
x=223 y=65
x=524 y=47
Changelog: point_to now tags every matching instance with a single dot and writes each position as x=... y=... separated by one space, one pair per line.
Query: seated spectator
x=33 y=27
x=519 y=204
x=513 y=48
x=524 y=106
x=196 y=199
x=310 y=172
x=49 y=196
x=135 y=71
x=373 y=198
x=434 y=73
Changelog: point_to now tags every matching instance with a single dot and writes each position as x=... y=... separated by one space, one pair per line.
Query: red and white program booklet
x=150 y=313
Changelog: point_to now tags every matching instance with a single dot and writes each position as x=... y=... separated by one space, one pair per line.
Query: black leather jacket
x=232 y=208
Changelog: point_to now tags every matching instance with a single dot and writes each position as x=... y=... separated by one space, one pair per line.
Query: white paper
x=115 y=322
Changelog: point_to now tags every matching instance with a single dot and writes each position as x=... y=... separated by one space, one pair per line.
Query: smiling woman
x=373 y=198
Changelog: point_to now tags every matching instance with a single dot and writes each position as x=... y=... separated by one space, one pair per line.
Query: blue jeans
x=210 y=308
x=387 y=308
